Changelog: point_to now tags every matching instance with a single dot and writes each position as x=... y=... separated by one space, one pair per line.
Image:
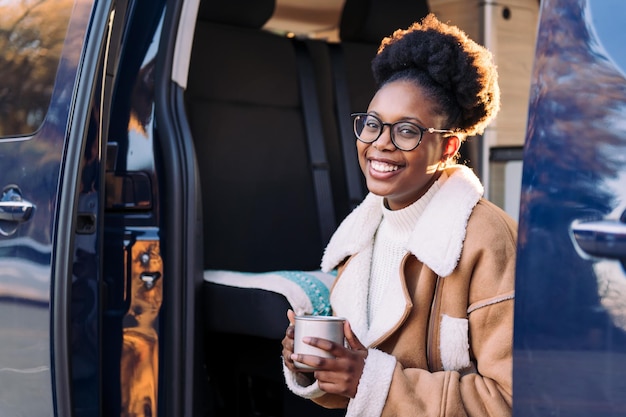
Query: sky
x=608 y=17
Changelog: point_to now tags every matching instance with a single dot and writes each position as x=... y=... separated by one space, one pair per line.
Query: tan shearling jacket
x=443 y=346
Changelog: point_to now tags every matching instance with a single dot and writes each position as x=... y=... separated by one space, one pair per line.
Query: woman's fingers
x=353 y=341
x=342 y=374
x=291 y=316
x=287 y=352
x=316 y=361
x=320 y=343
x=288 y=342
x=313 y=361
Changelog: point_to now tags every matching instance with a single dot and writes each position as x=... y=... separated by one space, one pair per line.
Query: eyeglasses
x=405 y=136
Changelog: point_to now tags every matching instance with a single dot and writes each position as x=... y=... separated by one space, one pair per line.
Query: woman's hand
x=288 y=342
x=339 y=375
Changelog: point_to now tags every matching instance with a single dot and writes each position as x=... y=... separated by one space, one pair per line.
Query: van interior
x=269 y=93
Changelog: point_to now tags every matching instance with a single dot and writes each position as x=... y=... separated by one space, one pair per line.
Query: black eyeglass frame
x=421 y=129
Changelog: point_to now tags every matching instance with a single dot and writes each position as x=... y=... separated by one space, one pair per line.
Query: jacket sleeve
x=301 y=385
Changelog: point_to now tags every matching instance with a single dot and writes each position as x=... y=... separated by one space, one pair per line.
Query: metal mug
x=323 y=327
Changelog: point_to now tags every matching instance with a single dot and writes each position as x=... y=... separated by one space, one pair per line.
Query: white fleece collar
x=437 y=239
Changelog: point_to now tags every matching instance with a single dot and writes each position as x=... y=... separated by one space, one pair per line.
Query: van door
x=50 y=53
x=570 y=311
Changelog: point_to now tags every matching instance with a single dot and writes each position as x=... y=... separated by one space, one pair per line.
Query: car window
x=31 y=38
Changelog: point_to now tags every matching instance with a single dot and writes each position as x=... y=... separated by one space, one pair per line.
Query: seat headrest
x=242 y=13
x=369 y=21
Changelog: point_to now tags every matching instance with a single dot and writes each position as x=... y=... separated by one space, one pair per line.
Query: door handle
x=601 y=238
x=13 y=208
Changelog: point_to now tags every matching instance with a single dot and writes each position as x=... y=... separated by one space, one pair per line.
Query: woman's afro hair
x=456 y=71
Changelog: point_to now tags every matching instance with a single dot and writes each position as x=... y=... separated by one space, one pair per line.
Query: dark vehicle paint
x=570 y=321
x=71 y=319
x=28 y=366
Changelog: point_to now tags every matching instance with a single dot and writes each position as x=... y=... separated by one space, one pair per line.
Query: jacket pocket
x=454 y=343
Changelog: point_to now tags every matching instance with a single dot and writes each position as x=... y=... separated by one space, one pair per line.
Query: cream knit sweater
x=390 y=244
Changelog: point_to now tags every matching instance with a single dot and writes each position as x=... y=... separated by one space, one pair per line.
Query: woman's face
x=402 y=177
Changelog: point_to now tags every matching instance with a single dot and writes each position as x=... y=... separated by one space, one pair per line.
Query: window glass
x=31 y=37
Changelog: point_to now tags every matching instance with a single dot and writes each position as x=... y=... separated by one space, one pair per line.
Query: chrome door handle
x=601 y=238
x=13 y=208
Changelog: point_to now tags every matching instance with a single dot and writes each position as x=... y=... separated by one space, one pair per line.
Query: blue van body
x=570 y=310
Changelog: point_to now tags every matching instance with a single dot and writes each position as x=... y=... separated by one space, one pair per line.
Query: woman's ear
x=451 y=147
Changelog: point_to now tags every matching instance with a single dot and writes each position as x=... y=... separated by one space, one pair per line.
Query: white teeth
x=383 y=167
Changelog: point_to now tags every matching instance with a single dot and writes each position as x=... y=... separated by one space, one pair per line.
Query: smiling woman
x=424 y=257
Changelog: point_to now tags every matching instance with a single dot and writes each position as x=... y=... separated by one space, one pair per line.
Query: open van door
x=47 y=86
x=96 y=300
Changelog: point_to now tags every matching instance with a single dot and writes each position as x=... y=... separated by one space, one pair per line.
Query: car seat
x=260 y=191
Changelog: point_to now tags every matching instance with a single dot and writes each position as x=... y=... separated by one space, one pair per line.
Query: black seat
x=247 y=115
x=363 y=25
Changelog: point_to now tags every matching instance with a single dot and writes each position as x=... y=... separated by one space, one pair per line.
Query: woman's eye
x=407 y=131
x=372 y=124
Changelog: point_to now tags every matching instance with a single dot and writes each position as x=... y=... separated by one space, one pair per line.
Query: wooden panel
x=511 y=38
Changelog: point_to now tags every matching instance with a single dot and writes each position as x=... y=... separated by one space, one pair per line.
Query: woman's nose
x=384 y=141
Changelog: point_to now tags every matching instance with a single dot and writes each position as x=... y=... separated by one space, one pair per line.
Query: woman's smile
x=379 y=166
